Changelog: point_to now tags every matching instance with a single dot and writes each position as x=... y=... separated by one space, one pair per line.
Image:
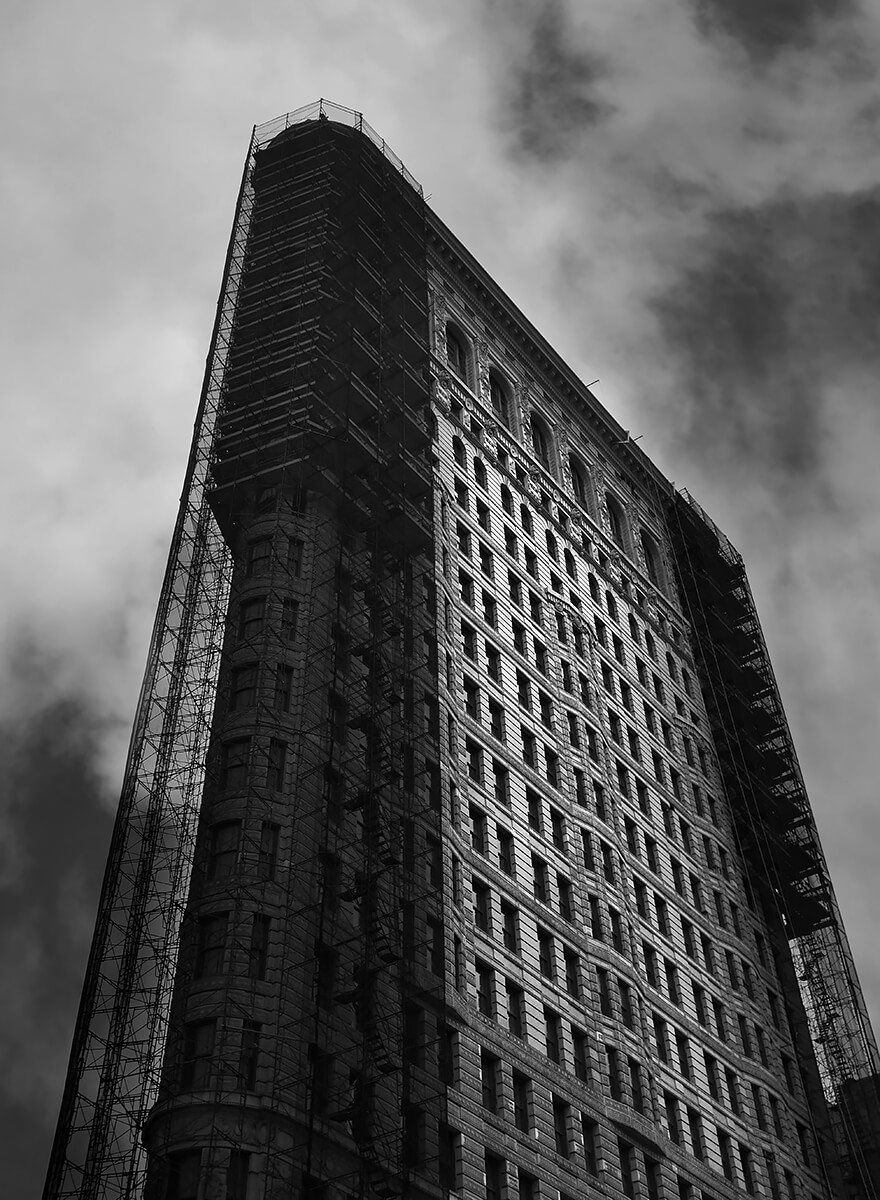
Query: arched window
x=458 y=451
x=456 y=353
x=651 y=552
x=616 y=520
x=551 y=546
x=578 y=481
x=499 y=398
x=540 y=440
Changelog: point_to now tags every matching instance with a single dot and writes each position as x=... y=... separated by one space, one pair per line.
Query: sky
x=683 y=196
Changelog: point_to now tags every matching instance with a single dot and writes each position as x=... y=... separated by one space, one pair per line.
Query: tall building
x=462 y=848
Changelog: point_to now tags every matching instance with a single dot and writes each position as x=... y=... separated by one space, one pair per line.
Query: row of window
x=544 y=449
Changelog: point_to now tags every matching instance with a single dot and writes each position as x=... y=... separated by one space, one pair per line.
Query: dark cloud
x=782 y=297
x=551 y=83
x=62 y=835
x=765 y=28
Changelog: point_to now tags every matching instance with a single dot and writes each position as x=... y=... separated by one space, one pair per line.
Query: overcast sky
x=683 y=195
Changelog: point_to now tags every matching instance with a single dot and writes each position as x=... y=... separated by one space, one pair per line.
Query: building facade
x=463 y=849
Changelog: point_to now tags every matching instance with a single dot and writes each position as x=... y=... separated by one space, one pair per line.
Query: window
x=489 y=1065
x=289 y=618
x=505 y=850
x=496 y=1173
x=456 y=355
x=529 y=747
x=498 y=398
x=616 y=525
x=561 y=1116
x=479 y=830
x=485 y=989
x=493 y=662
x=580 y=1054
x=627 y=1013
x=283 y=686
x=501 y=786
x=579 y=484
x=673 y=1117
x=251 y=615
x=471 y=699
x=482 y=906
x=469 y=640
x=546 y=954
x=510 y=927
x=243 y=689
x=661 y=1038
x=695 y=1127
x=234 y=757
x=651 y=556
x=516 y=1008
x=683 y=1050
x=249 y=1055
x=275 y=765
x=540 y=440
x=211 y=944
x=612 y=1066
x=590 y=1134
x=553 y=1031
x=563 y=888
x=605 y=1006
x=259 y=947
x=223 y=855
x=198 y=1051
x=539 y=869
x=522 y=1089
x=475 y=761
x=572 y=973
x=637 y=1094
x=726 y=1152
x=184 y=1169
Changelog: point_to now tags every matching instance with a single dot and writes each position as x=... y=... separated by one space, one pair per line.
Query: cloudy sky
x=683 y=195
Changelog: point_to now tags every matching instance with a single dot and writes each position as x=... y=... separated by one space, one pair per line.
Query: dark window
x=498 y=398
x=251 y=614
x=198 y=1051
x=259 y=947
x=456 y=355
x=275 y=764
x=234 y=757
x=211 y=946
x=243 y=691
x=283 y=685
x=225 y=842
x=248 y=1055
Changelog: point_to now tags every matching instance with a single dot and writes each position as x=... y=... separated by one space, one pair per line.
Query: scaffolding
x=266 y=993
x=777 y=831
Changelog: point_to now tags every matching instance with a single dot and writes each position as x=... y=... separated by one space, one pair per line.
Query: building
x=462 y=847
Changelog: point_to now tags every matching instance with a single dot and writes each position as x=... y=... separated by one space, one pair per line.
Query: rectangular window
x=553 y=1032
x=267 y=855
x=243 y=687
x=505 y=850
x=225 y=842
x=275 y=765
x=510 y=927
x=561 y=1115
x=479 y=830
x=198 y=1054
x=522 y=1089
x=211 y=944
x=572 y=973
x=482 y=907
x=251 y=615
x=489 y=1065
x=516 y=1009
x=234 y=756
x=501 y=783
x=259 y=947
x=289 y=618
x=249 y=1055
x=612 y=1064
x=485 y=989
x=580 y=1054
x=563 y=888
x=529 y=747
x=475 y=760
x=546 y=954
x=590 y=1135
x=283 y=686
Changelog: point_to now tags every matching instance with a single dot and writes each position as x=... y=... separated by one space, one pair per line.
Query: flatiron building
x=463 y=850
